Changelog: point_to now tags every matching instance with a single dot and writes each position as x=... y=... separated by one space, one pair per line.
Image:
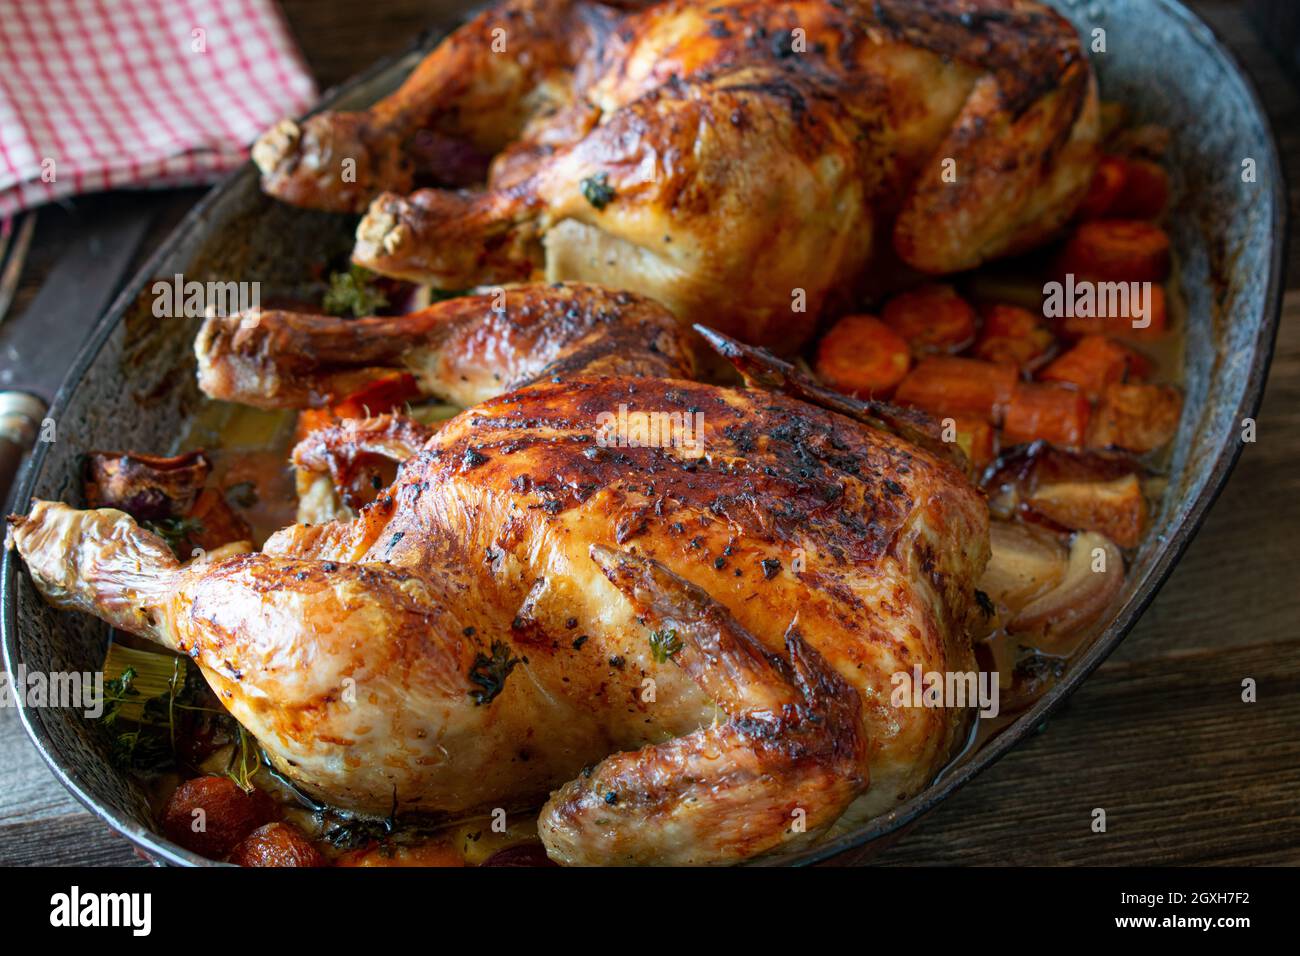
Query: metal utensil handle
x=20 y=421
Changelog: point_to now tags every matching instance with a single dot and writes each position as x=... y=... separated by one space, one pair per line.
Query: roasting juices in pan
x=648 y=597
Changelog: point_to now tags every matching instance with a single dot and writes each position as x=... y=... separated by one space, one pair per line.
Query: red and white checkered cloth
x=97 y=94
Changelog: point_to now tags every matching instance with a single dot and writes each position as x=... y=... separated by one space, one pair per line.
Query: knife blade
x=102 y=235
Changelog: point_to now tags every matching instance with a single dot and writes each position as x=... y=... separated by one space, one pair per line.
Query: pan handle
x=20 y=420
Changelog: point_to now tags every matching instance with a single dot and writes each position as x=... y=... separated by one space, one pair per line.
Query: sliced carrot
x=932 y=318
x=1117 y=250
x=1117 y=508
x=959 y=387
x=862 y=356
x=1138 y=418
x=1127 y=322
x=379 y=396
x=1145 y=191
x=1106 y=186
x=1053 y=413
x=1156 y=321
x=1013 y=336
x=1095 y=362
x=1126 y=188
x=977 y=439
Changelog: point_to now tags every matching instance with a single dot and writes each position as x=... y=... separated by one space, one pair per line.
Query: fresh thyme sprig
x=664 y=644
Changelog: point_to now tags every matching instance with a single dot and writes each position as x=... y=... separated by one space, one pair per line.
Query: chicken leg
x=461 y=350
x=785 y=764
x=477 y=90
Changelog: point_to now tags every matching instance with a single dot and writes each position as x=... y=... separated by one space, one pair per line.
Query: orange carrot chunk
x=1013 y=336
x=309 y=420
x=1143 y=316
x=1154 y=322
x=932 y=318
x=1117 y=250
x=1106 y=186
x=380 y=396
x=862 y=356
x=959 y=387
x=1144 y=192
x=1138 y=418
x=1050 y=412
x=1094 y=363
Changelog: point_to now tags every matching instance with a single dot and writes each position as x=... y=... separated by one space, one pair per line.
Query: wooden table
x=1158 y=736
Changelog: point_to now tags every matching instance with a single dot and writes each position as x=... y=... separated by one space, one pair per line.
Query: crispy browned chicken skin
x=709 y=630
x=748 y=163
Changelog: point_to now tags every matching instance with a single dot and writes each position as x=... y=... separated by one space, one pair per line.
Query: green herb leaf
x=357 y=832
x=161 y=696
x=597 y=190
x=176 y=531
x=353 y=292
x=490 y=673
x=141 y=750
x=245 y=760
x=116 y=691
x=664 y=644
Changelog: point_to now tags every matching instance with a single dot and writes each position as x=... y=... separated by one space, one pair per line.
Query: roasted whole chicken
x=751 y=164
x=684 y=648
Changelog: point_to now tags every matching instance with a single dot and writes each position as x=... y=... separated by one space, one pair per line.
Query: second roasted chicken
x=750 y=164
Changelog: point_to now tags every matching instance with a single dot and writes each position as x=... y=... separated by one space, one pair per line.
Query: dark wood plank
x=30 y=791
x=1186 y=772
x=70 y=840
x=1276 y=89
x=340 y=39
